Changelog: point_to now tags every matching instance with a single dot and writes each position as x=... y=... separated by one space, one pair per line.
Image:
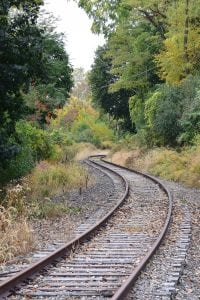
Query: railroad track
x=109 y=252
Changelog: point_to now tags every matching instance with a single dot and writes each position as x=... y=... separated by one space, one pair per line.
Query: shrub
x=60 y=136
x=19 y=166
x=162 y=113
x=89 y=129
x=33 y=144
x=190 y=120
x=63 y=154
x=36 y=139
x=49 y=209
x=79 y=122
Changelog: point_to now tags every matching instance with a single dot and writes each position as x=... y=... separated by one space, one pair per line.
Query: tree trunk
x=186 y=31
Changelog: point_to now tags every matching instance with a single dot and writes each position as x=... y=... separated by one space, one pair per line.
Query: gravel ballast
x=174 y=272
x=50 y=233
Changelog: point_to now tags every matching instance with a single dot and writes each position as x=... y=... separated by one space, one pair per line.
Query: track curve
x=118 y=291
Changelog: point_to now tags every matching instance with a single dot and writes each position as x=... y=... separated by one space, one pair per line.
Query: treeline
x=147 y=76
x=35 y=79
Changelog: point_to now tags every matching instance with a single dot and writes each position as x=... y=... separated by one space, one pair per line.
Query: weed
x=55 y=179
x=16 y=235
x=183 y=200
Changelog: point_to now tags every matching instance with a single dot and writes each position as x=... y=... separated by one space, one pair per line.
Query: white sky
x=80 y=42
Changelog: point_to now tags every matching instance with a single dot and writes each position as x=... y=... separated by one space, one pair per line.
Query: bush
x=190 y=120
x=47 y=209
x=170 y=115
x=34 y=144
x=90 y=130
x=162 y=114
x=79 y=122
x=64 y=154
x=36 y=139
x=19 y=166
x=60 y=136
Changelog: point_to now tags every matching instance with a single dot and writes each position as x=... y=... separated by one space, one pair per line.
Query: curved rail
x=127 y=285
x=11 y=283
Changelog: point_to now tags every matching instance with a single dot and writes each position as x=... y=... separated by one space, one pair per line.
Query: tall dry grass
x=16 y=235
x=183 y=166
x=34 y=197
x=55 y=179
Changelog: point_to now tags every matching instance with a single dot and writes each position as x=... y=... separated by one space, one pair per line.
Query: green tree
x=172 y=113
x=162 y=113
x=20 y=56
x=132 y=51
x=180 y=56
x=104 y=14
x=108 y=14
x=150 y=42
x=51 y=88
x=115 y=104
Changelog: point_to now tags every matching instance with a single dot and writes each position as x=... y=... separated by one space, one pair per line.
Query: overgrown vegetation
x=80 y=122
x=16 y=235
x=181 y=165
x=35 y=76
x=39 y=129
x=47 y=158
x=142 y=95
x=152 y=55
x=150 y=63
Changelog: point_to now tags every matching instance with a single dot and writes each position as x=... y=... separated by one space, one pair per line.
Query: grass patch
x=183 y=166
x=48 y=181
x=48 y=209
x=55 y=179
x=16 y=235
x=171 y=164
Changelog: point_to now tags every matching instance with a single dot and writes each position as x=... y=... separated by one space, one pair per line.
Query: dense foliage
x=145 y=80
x=52 y=86
x=35 y=78
x=152 y=55
x=20 y=55
x=79 y=122
x=115 y=104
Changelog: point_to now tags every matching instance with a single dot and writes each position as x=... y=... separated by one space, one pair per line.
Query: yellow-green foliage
x=63 y=154
x=128 y=142
x=136 y=107
x=54 y=179
x=150 y=108
x=183 y=166
x=81 y=123
x=175 y=61
x=167 y=164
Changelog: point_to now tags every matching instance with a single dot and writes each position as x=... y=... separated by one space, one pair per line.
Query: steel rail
x=122 y=292
x=128 y=284
x=7 y=286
